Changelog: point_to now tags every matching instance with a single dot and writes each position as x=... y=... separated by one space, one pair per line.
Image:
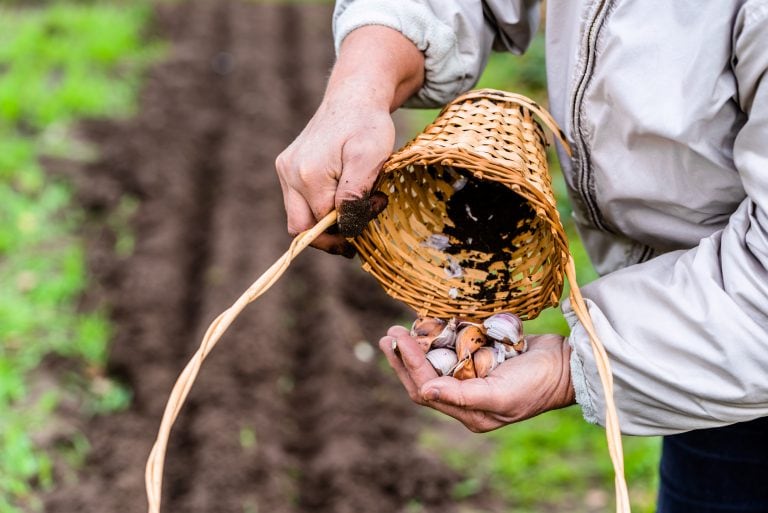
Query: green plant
x=60 y=62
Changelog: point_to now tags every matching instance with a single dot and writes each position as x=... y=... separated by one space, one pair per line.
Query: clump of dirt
x=284 y=416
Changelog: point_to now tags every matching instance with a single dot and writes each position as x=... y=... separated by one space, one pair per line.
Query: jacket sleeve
x=687 y=332
x=456 y=36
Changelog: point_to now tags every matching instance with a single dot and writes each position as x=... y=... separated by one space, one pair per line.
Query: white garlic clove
x=468 y=340
x=442 y=360
x=465 y=369
x=504 y=327
x=486 y=359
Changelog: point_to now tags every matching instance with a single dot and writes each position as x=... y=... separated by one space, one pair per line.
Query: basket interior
x=450 y=243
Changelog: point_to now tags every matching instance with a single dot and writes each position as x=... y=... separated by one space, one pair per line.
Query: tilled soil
x=284 y=417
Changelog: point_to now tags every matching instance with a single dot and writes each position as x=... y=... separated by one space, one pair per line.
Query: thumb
x=362 y=159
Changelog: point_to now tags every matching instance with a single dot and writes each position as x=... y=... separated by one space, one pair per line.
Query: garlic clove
x=425 y=343
x=504 y=327
x=521 y=346
x=447 y=337
x=469 y=339
x=427 y=327
x=442 y=360
x=432 y=333
x=465 y=369
x=505 y=350
x=485 y=359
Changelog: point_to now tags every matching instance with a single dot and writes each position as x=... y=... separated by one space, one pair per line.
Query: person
x=665 y=105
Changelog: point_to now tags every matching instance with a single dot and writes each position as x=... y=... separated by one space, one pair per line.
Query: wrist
x=378 y=67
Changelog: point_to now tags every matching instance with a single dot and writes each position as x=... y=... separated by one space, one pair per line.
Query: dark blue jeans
x=722 y=470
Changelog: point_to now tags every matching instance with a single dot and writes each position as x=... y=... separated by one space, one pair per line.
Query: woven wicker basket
x=485 y=135
x=487 y=138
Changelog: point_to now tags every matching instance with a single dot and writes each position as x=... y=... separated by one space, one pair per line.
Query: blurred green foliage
x=59 y=62
x=555 y=462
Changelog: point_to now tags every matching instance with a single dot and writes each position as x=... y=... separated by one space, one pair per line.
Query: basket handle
x=612 y=430
x=153 y=475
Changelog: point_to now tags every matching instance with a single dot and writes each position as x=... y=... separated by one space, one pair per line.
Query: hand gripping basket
x=471 y=228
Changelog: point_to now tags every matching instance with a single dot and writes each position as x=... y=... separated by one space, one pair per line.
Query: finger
x=415 y=360
x=484 y=394
x=397 y=331
x=388 y=345
x=475 y=420
x=334 y=244
x=301 y=218
x=362 y=159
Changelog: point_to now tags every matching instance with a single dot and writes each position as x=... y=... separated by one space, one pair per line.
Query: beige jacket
x=666 y=105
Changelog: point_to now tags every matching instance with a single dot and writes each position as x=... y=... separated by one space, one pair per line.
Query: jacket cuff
x=581 y=351
x=446 y=73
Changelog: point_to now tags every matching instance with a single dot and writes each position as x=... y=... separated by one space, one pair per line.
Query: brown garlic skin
x=465 y=369
x=521 y=346
x=427 y=327
x=443 y=360
x=424 y=343
x=433 y=333
x=486 y=359
x=469 y=339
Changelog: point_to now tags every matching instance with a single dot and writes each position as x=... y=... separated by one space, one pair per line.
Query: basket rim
x=500 y=96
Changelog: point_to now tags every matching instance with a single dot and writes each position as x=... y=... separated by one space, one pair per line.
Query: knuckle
x=282 y=163
x=361 y=149
x=305 y=174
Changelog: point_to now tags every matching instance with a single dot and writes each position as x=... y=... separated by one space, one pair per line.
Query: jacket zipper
x=584 y=176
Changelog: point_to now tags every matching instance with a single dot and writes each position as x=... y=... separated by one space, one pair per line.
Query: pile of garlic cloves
x=465 y=349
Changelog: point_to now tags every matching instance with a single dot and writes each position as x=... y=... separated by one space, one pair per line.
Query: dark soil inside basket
x=486 y=215
x=286 y=416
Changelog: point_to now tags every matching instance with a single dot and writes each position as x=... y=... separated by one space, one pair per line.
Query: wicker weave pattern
x=485 y=135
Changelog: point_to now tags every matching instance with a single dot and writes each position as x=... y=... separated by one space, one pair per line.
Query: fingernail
x=432 y=394
x=394 y=347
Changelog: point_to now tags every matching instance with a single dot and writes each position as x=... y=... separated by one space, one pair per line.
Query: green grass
x=555 y=462
x=60 y=63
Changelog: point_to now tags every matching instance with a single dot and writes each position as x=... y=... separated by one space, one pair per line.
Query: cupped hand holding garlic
x=521 y=376
x=465 y=349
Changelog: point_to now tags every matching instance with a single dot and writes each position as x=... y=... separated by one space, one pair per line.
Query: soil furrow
x=284 y=416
